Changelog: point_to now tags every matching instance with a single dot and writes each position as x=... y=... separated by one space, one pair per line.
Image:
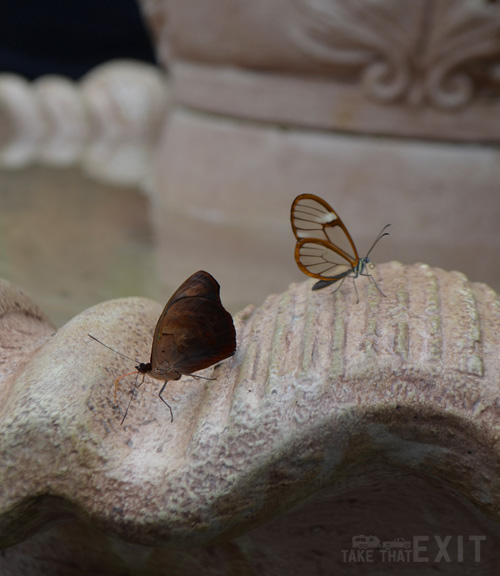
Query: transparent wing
x=313 y=218
x=318 y=259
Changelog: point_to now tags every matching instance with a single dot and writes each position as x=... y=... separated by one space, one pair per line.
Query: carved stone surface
x=377 y=106
x=223 y=192
x=324 y=403
x=427 y=68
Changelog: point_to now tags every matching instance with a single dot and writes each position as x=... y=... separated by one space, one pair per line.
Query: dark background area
x=69 y=37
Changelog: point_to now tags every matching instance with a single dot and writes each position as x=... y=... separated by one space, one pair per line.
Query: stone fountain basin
x=332 y=419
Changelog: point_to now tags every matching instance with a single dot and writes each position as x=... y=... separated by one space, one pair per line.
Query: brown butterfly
x=193 y=332
x=324 y=248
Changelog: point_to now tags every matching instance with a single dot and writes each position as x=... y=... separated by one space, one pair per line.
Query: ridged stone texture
x=322 y=394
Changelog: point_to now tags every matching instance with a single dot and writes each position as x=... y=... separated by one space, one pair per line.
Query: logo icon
x=397 y=543
x=363 y=542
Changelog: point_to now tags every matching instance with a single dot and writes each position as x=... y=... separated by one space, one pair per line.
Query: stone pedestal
x=388 y=110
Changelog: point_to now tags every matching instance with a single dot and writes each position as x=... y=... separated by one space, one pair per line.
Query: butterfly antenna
x=113 y=350
x=379 y=237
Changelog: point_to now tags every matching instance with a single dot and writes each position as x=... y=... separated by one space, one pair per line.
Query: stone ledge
x=321 y=394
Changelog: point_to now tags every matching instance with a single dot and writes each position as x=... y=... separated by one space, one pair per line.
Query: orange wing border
x=326 y=242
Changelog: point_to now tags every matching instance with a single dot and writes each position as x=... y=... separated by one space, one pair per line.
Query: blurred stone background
x=122 y=177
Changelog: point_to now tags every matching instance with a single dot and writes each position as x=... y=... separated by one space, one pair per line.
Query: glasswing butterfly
x=324 y=248
x=193 y=332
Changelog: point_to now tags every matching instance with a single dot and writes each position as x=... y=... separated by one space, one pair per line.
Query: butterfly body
x=158 y=373
x=325 y=249
x=358 y=270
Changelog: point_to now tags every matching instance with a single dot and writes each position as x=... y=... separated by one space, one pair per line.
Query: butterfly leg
x=123 y=376
x=196 y=377
x=165 y=402
x=374 y=282
x=355 y=288
x=131 y=396
x=339 y=286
